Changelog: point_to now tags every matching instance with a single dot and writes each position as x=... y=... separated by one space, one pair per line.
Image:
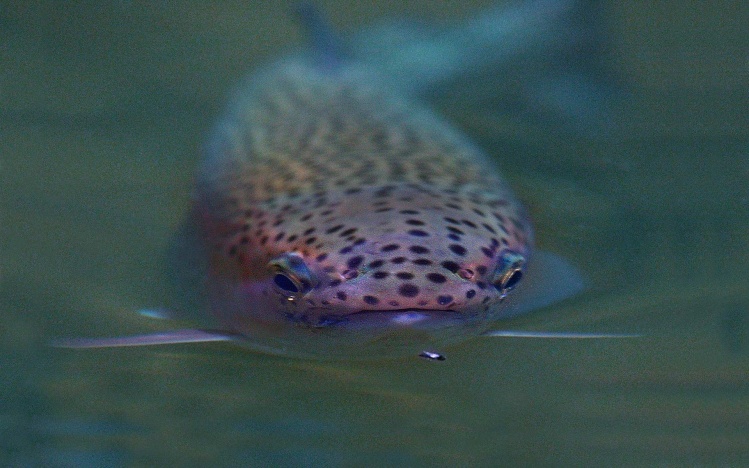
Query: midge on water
x=336 y=217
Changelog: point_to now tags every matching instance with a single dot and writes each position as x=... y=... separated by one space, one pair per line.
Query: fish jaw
x=324 y=333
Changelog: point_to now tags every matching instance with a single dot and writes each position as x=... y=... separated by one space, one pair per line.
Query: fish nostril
x=465 y=273
x=350 y=274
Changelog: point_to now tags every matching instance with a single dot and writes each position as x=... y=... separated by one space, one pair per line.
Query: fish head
x=399 y=265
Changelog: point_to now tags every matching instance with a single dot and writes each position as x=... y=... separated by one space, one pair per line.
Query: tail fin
x=543 y=57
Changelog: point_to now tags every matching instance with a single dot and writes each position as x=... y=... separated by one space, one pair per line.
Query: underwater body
x=336 y=217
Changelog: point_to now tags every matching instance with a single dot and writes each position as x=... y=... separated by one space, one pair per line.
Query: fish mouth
x=413 y=318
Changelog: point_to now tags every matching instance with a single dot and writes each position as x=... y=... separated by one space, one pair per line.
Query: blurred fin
x=556 y=335
x=162 y=338
x=325 y=42
x=419 y=55
x=548 y=279
x=158 y=313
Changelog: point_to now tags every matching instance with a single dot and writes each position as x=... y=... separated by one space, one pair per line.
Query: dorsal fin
x=326 y=44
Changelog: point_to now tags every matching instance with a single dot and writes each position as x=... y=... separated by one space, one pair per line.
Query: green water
x=103 y=109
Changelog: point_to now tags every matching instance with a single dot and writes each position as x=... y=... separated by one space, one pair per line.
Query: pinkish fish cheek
x=240 y=305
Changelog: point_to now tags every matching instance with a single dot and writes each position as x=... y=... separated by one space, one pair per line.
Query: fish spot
x=488 y=252
x=404 y=275
x=457 y=249
x=408 y=290
x=380 y=274
x=411 y=212
x=418 y=233
x=436 y=278
x=354 y=262
x=444 y=300
x=376 y=264
x=450 y=266
x=371 y=300
x=481 y=270
x=398 y=260
x=390 y=248
x=469 y=223
x=418 y=249
x=347 y=232
x=422 y=261
x=414 y=222
x=470 y=293
x=341 y=295
x=334 y=229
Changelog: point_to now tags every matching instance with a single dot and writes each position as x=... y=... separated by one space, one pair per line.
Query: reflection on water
x=100 y=135
x=734 y=327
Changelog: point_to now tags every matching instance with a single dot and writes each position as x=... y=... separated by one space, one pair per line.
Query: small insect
x=336 y=217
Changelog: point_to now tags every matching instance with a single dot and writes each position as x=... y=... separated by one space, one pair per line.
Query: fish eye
x=510 y=271
x=286 y=283
x=511 y=279
x=291 y=275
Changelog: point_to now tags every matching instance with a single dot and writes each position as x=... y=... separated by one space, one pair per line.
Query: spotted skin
x=389 y=211
x=334 y=217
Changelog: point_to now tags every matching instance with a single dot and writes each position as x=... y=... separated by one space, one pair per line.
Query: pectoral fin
x=162 y=338
x=549 y=279
x=555 y=335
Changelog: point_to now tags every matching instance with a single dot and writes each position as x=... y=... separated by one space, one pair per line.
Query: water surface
x=103 y=108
